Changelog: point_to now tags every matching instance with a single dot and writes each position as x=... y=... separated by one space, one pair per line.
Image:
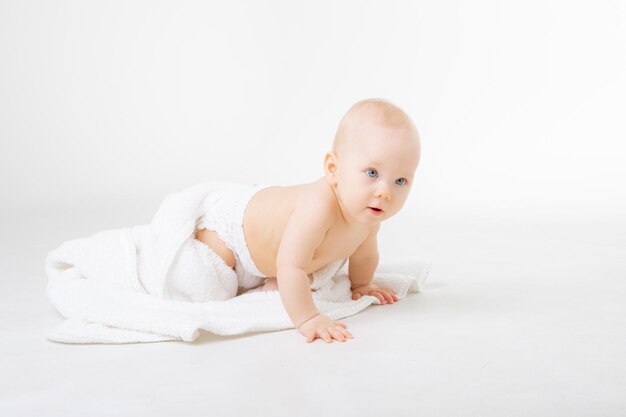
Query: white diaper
x=223 y=213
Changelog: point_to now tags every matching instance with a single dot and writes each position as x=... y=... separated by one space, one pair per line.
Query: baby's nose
x=383 y=191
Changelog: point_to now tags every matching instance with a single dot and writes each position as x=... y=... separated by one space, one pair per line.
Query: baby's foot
x=271 y=284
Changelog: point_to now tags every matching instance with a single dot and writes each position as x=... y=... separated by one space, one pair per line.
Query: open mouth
x=375 y=211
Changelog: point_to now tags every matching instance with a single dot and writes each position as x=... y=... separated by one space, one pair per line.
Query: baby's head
x=373 y=161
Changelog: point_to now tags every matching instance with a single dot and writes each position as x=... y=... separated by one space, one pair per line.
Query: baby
x=292 y=231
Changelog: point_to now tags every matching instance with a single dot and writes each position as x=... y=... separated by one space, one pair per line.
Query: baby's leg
x=271 y=284
x=210 y=238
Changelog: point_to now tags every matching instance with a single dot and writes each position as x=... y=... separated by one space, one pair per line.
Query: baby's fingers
x=346 y=333
x=337 y=334
x=325 y=336
x=390 y=296
x=386 y=296
x=379 y=295
x=341 y=334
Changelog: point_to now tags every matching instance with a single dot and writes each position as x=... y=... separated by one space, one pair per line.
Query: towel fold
x=145 y=284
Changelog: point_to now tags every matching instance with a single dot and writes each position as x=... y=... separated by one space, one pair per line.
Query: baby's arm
x=361 y=268
x=304 y=232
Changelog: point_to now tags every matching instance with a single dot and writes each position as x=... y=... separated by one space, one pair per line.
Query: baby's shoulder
x=315 y=200
x=320 y=194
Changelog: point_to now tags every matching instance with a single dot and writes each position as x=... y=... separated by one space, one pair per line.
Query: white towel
x=116 y=286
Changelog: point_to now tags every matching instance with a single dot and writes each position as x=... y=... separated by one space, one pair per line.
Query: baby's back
x=268 y=214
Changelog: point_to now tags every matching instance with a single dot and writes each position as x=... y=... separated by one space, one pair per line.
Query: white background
x=520 y=105
x=519 y=202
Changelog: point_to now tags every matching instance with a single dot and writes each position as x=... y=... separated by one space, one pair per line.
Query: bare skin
x=264 y=224
x=293 y=231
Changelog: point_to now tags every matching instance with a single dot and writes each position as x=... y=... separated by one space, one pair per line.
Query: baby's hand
x=384 y=295
x=323 y=327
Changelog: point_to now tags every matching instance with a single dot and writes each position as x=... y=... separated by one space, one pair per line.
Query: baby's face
x=375 y=170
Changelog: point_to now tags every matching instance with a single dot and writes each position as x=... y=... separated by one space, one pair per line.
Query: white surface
x=106 y=107
x=519 y=317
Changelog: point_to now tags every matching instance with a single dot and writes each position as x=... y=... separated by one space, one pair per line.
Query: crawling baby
x=284 y=233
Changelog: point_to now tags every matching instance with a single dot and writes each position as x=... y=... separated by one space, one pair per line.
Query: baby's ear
x=330 y=167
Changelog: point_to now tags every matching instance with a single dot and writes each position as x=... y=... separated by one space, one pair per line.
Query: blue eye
x=373 y=171
x=403 y=181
